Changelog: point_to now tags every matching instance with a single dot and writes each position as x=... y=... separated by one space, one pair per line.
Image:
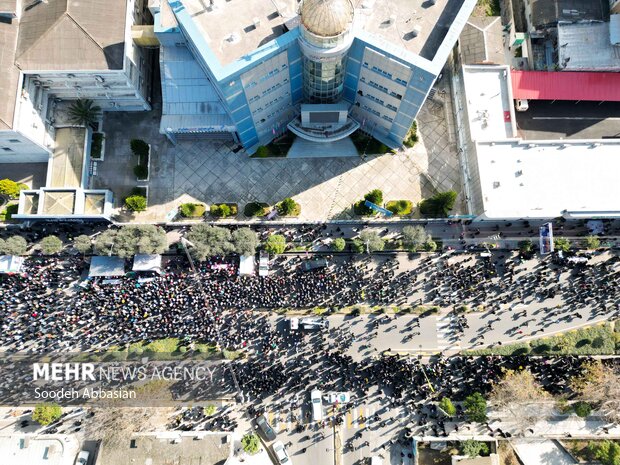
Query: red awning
x=566 y=85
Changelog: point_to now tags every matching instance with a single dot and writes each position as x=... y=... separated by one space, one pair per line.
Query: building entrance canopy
x=324 y=122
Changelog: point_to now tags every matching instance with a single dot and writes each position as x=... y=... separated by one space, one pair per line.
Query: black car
x=265 y=428
x=315 y=264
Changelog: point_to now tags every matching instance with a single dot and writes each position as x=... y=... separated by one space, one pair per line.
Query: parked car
x=265 y=428
x=280 y=452
x=316 y=398
x=263 y=264
x=337 y=397
x=293 y=324
x=314 y=322
x=82 y=458
x=314 y=264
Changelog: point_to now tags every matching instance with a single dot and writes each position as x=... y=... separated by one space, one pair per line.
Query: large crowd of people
x=45 y=308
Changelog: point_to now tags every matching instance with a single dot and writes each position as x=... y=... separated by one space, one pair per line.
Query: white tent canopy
x=106 y=266
x=147 y=262
x=11 y=263
x=246 y=265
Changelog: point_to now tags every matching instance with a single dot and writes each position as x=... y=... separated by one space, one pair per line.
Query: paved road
x=569 y=120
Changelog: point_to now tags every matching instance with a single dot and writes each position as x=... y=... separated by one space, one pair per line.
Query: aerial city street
x=320 y=232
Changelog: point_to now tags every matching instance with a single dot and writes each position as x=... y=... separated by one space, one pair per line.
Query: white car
x=337 y=397
x=293 y=324
x=316 y=398
x=280 y=452
x=263 y=264
x=314 y=322
x=82 y=458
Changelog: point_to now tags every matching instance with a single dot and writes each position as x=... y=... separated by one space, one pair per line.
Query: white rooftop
x=544 y=179
x=587 y=46
x=490 y=111
x=235 y=28
x=20 y=449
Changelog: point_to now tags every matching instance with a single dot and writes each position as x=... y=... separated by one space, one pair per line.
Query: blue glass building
x=242 y=70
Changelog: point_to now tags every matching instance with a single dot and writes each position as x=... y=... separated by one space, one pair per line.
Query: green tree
x=245 y=241
x=430 y=245
x=2 y=246
x=46 y=413
x=447 y=406
x=287 y=207
x=357 y=246
x=372 y=241
x=210 y=241
x=254 y=209
x=561 y=243
x=526 y=247
x=476 y=407
x=210 y=410
x=414 y=237
x=130 y=240
x=582 y=409
x=375 y=196
x=338 y=244
x=472 y=448
x=82 y=243
x=221 y=211
x=84 y=112
x=135 y=203
x=250 y=443
x=275 y=244
x=50 y=245
x=593 y=242
x=15 y=245
x=11 y=188
x=607 y=452
x=139 y=148
x=438 y=205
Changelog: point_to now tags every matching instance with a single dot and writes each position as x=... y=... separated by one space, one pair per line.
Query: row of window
x=376 y=113
x=268 y=91
x=269 y=75
x=380 y=102
x=387 y=74
x=376 y=85
x=271 y=103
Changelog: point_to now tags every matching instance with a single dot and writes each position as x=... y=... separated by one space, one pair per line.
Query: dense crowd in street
x=44 y=308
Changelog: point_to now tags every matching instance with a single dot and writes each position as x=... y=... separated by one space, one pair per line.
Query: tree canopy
x=46 y=413
x=476 y=407
x=15 y=245
x=130 y=240
x=439 y=204
x=82 y=243
x=245 y=241
x=209 y=241
x=414 y=237
x=372 y=241
x=275 y=244
x=50 y=245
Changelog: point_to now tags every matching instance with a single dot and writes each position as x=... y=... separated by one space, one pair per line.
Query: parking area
x=569 y=120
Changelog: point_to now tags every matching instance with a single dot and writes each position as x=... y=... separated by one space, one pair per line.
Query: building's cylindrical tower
x=325 y=39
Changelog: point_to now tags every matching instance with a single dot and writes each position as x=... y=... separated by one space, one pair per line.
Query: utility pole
x=185 y=243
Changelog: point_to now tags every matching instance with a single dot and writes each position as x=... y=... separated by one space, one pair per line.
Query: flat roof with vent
x=520 y=179
x=164 y=449
x=235 y=28
x=490 y=110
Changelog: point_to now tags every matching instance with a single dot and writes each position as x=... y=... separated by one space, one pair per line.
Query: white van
x=316 y=397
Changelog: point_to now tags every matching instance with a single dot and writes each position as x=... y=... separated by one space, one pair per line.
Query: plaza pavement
x=210 y=171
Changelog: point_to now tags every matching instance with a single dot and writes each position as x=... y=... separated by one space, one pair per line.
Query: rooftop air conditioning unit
x=417 y=30
x=495 y=184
